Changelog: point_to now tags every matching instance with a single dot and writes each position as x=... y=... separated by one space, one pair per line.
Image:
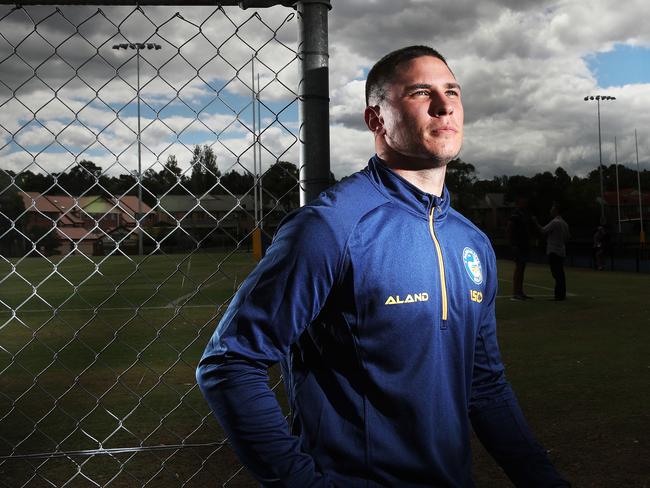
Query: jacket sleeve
x=494 y=411
x=276 y=302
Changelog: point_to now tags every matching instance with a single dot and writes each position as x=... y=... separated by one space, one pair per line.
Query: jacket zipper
x=441 y=267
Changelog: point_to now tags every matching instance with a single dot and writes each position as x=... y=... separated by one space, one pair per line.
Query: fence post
x=313 y=92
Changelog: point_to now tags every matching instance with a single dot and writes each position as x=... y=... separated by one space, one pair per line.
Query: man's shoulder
x=349 y=199
x=470 y=229
x=341 y=206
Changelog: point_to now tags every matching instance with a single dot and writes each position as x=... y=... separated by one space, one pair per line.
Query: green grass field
x=101 y=354
x=581 y=370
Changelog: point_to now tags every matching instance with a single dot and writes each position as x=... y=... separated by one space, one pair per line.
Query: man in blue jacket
x=378 y=301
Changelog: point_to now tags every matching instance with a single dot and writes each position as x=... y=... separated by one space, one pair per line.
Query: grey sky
x=523 y=71
x=522 y=65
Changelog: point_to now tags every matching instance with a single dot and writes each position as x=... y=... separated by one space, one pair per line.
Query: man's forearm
x=504 y=432
x=247 y=409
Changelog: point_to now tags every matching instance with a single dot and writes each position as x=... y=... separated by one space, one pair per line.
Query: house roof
x=97 y=204
x=129 y=204
x=65 y=205
x=59 y=204
x=209 y=203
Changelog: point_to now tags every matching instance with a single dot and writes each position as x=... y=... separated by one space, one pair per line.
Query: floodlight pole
x=598 y=98
x=600 y=168
x=137 y=46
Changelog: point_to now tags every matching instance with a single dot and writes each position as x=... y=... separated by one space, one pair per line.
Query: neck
x=426 y=174
x=428 y=179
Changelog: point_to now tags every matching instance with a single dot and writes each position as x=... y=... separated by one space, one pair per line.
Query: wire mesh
x=141 y=151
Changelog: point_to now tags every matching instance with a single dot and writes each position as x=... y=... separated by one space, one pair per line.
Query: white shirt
x=557 y=233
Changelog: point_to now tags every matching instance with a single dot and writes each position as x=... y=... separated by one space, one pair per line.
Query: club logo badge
x=472 y=265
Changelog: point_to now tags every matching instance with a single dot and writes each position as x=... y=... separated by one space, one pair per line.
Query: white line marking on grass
x=540 y=287
x=532 y=296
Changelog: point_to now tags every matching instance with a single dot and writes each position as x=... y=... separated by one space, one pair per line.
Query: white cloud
x=521 y=64
x=350 y=150
x=347 y=104
x=523 y=70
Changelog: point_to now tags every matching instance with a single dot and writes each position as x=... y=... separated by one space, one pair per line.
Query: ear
x=374 y=121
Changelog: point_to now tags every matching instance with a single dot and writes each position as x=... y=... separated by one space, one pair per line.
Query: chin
x=443 y=158
x=443 y=152
x=441 y=162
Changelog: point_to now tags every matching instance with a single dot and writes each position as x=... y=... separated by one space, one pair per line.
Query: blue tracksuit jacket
x=378 y=301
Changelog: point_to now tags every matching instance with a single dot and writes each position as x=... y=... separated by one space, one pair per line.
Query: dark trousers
x=557 y=270
x=520 y=257
x=518 y=278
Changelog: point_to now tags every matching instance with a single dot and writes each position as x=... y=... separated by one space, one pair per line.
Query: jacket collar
x=406 y=194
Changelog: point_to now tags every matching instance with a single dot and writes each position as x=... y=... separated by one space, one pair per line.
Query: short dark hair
x=384 y=69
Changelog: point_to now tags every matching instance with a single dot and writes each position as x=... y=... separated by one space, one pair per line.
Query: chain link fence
x=146 y=156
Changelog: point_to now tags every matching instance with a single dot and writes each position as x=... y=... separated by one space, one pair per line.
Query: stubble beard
x=421 y=148
x=433 y=151
x=436 y=158
x=440 y=161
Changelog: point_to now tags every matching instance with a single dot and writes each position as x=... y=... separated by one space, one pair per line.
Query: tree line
x=576 y=195
x=203 y=177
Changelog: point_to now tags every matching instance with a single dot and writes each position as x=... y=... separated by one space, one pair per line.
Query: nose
x=440 y=105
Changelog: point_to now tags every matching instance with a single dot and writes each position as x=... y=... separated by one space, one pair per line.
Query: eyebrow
x=417 y=86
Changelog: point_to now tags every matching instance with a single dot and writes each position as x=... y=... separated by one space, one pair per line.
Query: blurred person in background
x=557 y=234
x=600 y=245
x=518 y=233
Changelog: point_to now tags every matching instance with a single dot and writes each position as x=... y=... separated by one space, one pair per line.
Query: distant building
x=114 y=212
x=95 y=224
x=209 y=220
x=44 y=210
x=205 y=221
x=210 y=211
x=84 y=225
